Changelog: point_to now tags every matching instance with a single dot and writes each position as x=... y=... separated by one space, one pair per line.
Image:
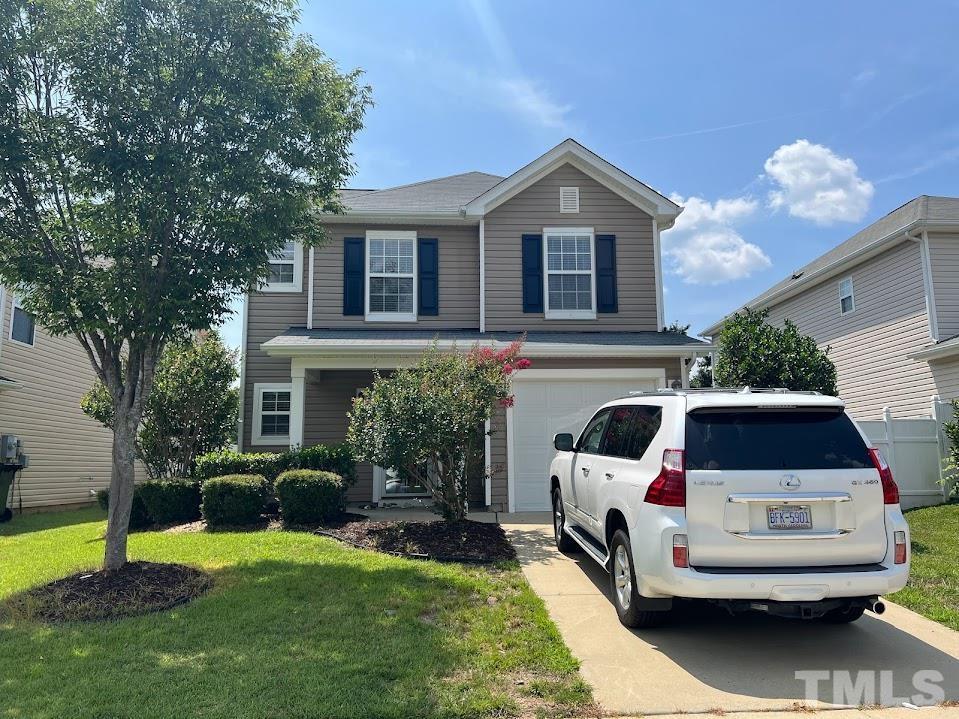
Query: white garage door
x=543 y=408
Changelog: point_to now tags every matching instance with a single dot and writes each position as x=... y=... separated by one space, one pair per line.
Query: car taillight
x=680 y=551
x=900 y=542
x=669 y=487
x=890 y=492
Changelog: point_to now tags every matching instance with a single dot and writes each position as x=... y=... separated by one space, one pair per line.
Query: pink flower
x=506 y=401
x=523 y=363
x=507 y=368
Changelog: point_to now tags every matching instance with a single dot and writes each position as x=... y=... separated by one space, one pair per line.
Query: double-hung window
x=271 y=413
x=390 y=276
x=570 y=273
x=847 y=302
x=286 y=269
x=23 y=329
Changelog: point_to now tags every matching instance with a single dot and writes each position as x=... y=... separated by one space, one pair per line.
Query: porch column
x=297 y=404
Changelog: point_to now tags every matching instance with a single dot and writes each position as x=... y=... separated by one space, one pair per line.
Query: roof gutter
x=353 y=348
x=937 y=351
x=392 y=217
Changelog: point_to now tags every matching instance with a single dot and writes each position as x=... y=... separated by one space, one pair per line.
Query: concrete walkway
x=703 y=660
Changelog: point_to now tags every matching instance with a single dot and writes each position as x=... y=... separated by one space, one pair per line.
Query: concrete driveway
x=703 y=660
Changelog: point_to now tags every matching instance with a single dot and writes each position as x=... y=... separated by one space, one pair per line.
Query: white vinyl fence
x=915 y=449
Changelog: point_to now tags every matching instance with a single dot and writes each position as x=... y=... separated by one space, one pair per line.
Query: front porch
x=572 y=374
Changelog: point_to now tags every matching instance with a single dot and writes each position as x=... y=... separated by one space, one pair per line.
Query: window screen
x=781 y=439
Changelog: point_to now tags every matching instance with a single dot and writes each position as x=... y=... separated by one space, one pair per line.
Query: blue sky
x=784 y=128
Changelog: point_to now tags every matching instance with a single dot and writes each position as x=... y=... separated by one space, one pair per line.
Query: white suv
x=755 y=499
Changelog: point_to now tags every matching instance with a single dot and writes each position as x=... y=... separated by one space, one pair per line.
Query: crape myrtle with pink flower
x=427 y=421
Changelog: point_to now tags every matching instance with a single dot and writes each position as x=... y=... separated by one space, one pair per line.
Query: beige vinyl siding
x=606 y=212
x=945 y=373
x=268 y=314
x=870 y=346
x=70 y=454
x=499 y=468
x=458 y=279
x=944 y=263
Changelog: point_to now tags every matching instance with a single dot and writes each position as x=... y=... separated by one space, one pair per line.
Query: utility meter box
x=9 y=448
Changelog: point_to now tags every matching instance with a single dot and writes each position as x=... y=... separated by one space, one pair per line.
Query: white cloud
x=703 y=247
x=816 y=184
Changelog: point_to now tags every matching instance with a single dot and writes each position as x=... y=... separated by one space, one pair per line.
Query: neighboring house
x=42 y=379
x=566 y=249
x=886 y=303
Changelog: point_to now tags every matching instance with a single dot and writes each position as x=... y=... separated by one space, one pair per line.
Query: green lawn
x=933 y=588
x=296 y=626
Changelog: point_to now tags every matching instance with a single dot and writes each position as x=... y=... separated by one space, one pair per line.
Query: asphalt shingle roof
x=445 y=194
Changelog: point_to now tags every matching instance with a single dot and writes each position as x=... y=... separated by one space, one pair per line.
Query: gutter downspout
x=240 y=423
x=3 y=314
x=926 y=261
x=658 y=269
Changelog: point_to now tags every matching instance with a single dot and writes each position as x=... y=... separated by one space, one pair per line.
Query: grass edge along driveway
x=933 y=588
x=296 y=626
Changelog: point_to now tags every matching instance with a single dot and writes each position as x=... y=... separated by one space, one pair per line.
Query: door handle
x=610 y=475
x=585 y=470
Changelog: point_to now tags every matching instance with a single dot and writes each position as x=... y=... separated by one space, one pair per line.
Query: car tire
x=842 y=615
x=622 y=585
x=564 y=542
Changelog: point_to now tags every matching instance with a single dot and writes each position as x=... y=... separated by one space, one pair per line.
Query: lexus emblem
x=790 y=482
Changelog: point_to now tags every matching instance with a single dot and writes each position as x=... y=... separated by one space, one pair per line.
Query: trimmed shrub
x=234 y=499
x=171 y=501
x=309 y=496
x=139 y=517
x=336 y=458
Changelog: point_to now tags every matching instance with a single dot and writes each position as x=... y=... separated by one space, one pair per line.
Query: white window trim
x=14 y=306
x=851 y=295
x=565 y=189
x=569 y=314
x=297 y=284
x=256 y=436
x=390 y=316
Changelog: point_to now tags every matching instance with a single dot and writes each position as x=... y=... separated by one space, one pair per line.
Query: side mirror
x=563 y=442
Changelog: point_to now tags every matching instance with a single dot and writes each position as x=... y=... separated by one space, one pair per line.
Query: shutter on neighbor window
x=428 y=276
x=532 y=273
x=354 y=260
x=606 y=299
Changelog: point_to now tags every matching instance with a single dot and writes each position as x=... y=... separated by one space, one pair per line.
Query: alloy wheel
x=623 y=577
x=558 y=517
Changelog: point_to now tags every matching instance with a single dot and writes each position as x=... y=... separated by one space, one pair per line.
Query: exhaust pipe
x=877 y=607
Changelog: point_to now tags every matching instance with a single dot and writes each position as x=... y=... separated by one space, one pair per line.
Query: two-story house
x=886 y=303
x=566 y=250
x=42 y=379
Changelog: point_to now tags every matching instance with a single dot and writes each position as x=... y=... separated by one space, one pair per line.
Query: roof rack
x=725 y=390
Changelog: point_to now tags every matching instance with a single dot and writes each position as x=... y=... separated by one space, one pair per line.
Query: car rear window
x=779 y=439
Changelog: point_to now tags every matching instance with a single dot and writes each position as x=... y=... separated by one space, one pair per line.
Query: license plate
x=797 y=516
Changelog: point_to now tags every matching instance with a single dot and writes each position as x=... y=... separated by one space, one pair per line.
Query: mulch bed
x=136 y=588
x=466 y=541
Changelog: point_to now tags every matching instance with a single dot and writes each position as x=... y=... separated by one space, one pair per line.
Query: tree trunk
x=121 y=489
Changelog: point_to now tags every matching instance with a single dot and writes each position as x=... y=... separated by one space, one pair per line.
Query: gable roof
x=444 y=194
x=569 y=151
x=470 y=195
x=924 y=210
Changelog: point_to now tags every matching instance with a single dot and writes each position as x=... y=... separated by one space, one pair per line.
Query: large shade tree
x=153 y=155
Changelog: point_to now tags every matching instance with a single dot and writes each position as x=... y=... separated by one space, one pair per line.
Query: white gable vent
x=569 y=199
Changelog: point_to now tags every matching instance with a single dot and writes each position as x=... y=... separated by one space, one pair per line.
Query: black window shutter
x=354 y=275
x=606 y=299
x=532 y=273
x=428 y=277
